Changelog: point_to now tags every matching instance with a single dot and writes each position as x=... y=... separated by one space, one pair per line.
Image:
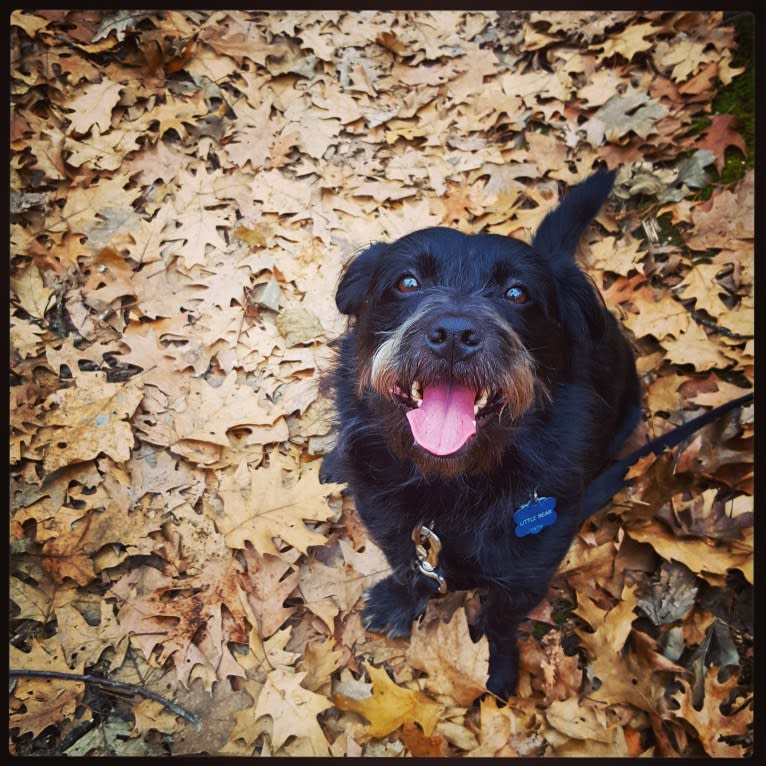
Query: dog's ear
x=581 y=305
x=356 y=282
x=558 y=234
x=582 y=309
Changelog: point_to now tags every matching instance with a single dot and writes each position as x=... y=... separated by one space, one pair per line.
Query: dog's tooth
x=416 y=392
x=482 y=400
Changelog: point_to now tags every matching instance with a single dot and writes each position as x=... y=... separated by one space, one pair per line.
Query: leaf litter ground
x=185 y=190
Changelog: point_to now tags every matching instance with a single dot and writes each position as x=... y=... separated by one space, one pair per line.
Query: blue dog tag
x=539 y=512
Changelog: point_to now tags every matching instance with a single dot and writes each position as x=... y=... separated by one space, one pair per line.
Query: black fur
x=564 y=397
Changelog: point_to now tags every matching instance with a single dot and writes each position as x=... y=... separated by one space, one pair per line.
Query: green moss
x=669 y=234
x=738 y=98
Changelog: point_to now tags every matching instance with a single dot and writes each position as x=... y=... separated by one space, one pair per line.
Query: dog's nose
x=453 y=337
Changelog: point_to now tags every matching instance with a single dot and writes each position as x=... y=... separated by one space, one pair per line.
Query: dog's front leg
x=500 y=619
x=395 y=602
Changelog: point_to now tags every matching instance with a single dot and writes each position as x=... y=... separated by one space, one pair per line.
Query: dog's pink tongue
x=445 y=421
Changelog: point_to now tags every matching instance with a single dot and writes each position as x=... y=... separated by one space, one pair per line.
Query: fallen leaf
x=293 y=711
x=455 y=665
x=390 y=706
x=258 y=507
x=86 y=420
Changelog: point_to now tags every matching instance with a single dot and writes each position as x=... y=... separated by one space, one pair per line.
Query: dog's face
x=457 y=337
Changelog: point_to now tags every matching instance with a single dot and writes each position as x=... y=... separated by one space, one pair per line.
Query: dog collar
x=534 y=515
x=427 y=549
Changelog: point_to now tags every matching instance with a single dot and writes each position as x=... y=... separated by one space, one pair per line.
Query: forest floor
x=186 y=188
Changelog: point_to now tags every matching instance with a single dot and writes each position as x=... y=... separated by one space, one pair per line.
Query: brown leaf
x=671 y=595
x=719 y=136
x=268 y=582
x=259 y=508
x=700 y=556
x=711 y=726
x=455 y=666
x=86 y=420
x=293 y=712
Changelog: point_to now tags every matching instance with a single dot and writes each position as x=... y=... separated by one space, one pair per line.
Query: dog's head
x=458 y=336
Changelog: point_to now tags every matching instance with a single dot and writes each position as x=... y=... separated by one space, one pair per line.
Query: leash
x=610 y=480
x=539 y=512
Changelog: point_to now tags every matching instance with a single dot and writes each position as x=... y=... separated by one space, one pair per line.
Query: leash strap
x=599 y=492
x=610 y=480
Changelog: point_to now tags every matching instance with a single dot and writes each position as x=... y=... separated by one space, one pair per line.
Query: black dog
x=482 y=387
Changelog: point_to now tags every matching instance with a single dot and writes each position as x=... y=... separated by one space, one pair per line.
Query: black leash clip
x=427 y=549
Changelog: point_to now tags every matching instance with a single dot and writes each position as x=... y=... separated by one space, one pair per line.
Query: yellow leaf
x=390 y=706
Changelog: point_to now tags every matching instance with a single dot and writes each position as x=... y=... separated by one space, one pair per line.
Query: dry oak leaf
x=326 y=590
x=198 y=229
x=543 y=666
x=709 y=723
x=149 y=715
x=659 y=314
x=93 y=106
x=701 y=556
x=293 y=711
x=87 y=419
x=83 y=643
x=701 y=284
x=320 y=660
x=727 y=217
x=629 y=42
x=43 y=702
x=82 y=205
x=719 y=136
x=30 y=292
x=589 y=728
x=456 y=667
x=631 y=111
x=510 y=730
x=619 y=257
x=257 y=507
x=695 y=347
x=391 y=705
x=671 y=597
x=183 y=618
x=207 y=413
x=26 y=339
x=267 y=585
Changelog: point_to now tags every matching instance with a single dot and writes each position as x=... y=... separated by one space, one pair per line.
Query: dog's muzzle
x=450 y=367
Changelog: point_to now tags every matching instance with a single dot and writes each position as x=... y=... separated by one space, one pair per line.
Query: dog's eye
x=516 y=294
x=407 y=284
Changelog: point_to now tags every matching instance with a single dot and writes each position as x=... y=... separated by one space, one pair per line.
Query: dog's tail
x=560 y=230
x=610 y=480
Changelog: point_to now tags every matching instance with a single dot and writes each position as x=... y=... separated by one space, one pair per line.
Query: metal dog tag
x=534 y=515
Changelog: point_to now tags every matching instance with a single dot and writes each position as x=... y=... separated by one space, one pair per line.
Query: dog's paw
x=331 y=472
x=390 y=609
x=503 y=676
